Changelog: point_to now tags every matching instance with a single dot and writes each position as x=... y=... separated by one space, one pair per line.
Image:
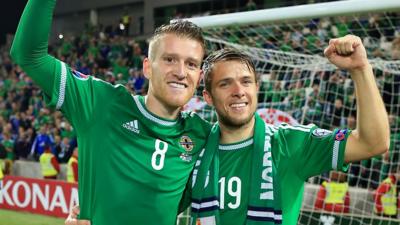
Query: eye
x=168 y=59
x=247 y=81
x=193 y=65
x=223 y=84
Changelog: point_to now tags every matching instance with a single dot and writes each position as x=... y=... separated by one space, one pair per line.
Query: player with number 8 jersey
x=134 y=164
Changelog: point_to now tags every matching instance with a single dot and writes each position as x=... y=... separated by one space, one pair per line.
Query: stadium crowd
x=27 y=126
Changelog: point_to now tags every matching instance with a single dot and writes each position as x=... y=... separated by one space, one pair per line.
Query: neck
x=230 y=134
x=158 y=108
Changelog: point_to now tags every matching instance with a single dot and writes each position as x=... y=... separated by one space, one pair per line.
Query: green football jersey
x=234 y=181
x=298 y=153
x=133 y=165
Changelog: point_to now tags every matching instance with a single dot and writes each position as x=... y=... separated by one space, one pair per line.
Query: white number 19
x=233 y=182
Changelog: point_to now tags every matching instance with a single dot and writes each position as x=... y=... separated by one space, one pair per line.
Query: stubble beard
x=233 y=123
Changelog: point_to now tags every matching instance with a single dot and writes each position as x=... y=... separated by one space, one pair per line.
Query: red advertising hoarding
x=39 y=196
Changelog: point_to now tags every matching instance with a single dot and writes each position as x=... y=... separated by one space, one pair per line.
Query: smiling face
x=173 y=71
x=233 y=92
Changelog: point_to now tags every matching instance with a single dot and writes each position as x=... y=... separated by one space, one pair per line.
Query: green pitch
x=8 y=217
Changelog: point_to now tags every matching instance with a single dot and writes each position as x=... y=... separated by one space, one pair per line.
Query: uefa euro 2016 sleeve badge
x=187 y=144
x=340 y=135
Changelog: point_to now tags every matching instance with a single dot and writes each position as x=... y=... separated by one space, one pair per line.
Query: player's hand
x=72 y=217
x=347 y=52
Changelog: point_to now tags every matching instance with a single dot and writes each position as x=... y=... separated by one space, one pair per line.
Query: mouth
x=178 y=85
x=239 y=105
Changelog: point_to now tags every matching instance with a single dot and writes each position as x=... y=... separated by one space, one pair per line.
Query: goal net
x=299 y=86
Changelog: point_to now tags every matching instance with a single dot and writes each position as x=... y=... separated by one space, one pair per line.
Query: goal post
x=337 y=8
x=299 y=85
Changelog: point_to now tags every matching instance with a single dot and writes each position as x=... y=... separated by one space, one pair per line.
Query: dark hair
x=225 y=54
x=180 y=28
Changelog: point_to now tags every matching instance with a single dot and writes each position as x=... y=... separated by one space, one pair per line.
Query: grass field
x=8 y=217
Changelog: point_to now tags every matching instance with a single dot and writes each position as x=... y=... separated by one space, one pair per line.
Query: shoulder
x=285 y=129
x=193 y=119
x=303 y=128
x=93 y=82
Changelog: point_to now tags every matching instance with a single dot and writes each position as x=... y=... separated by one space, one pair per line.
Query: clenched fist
x=348 y=53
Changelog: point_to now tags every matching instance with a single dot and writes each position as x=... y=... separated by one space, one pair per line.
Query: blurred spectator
x=277 y=95
x=72 y=167
x=333 y=195
x=1 y=178
x=49 y=164
x=311 y=39
x=337 y=120
x=391 y=87
x=136 y=56
x=266 y=87
x=296 y=98
x=314 y=106
x=251 y=5
x=126 y=20
x=394 y=122
x=23 y=143
x=136 y=81
x=120 y=79
x=8 y=144
x=341 y=27
x=3 y=155
x=370 y=172
x=396 y=49
x=385 y=196
x=373 y=27
x=41 y=140
x=120 y=67
x=62 y=149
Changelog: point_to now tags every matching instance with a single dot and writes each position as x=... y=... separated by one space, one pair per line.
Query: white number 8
x=159 y=152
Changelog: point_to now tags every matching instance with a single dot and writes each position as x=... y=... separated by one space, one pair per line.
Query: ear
x=147 y=68
x=258 y=85
x=207 y=97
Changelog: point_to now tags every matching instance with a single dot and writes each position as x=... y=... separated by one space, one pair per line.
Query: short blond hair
x=180 y=28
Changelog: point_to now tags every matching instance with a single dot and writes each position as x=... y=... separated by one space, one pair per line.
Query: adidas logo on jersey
x=132 y=126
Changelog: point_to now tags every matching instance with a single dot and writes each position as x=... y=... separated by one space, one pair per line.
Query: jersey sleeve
x=311 y=150
x=30 y=45
x=80 y=97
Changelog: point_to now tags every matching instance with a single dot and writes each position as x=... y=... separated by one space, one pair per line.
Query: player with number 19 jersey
x=133 y=165
x=298 y=152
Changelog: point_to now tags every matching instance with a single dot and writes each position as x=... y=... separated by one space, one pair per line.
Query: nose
x=180 y=70
x=238 y=90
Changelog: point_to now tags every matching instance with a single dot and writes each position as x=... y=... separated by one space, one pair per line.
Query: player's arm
x=371 y=136
x=30 y=46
